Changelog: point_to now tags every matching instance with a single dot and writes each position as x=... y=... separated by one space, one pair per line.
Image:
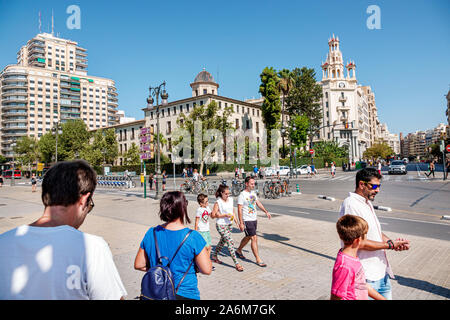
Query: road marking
x=384 y=223
x=299 y=211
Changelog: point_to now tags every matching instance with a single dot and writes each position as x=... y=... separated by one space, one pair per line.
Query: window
x=237 y=123
x=205 y=91
x=132 y=133
x=257 y=127
x=248 y=124
x=169 y=127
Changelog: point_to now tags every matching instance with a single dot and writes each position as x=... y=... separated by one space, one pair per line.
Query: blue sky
x=142 y=43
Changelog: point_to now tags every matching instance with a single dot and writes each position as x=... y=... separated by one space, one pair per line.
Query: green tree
x=378 y=150
x=2 y=159
x=299 y=136
x=304 y=97
x=73 y=139
x=47 y=147
x=271 y=107
x=27 y=151
x=132 y=156
x=330 y=150
x=211 y=118
x=285 y=85
x=111 y=146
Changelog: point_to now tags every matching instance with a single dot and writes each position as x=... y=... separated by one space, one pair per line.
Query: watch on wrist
x=390 y=244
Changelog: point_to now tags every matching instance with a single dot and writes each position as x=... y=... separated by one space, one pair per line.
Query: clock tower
x=342 y=102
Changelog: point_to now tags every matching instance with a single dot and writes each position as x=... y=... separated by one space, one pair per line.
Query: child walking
x=349 y=281
x=202 y=220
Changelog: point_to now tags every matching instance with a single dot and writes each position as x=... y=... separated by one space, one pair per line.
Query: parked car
x=284 y=170
x=302 y=170
x=270 y=171
x=397 y=166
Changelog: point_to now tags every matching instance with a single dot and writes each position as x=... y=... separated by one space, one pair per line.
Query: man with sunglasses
x=372 y=249
x=50 y=259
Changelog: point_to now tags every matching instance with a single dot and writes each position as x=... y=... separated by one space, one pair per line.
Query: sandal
x=239 y=268
x=261 y=264
x=216 y=260
x=240 y=255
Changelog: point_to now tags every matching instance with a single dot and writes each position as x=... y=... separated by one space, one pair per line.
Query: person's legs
x=254 y=245
x=220 y=230
x=230 y=243
x=243 y=243
x=383 y=286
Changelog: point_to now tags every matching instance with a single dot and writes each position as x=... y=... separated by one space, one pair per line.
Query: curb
x=326 y=198
x=382 y=208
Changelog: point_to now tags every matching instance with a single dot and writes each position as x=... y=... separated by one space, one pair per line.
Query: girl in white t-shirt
x=224 y=213
x=202 y=220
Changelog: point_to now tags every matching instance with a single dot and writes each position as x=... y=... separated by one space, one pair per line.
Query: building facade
x=347 y=109
x=50 y=84
x=246 y=116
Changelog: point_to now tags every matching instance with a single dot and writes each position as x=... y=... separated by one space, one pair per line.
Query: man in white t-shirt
x=372 y=250
x=247 y=203
x=50 y=259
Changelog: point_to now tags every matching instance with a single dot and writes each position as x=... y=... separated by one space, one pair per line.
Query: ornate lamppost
x=157 y=92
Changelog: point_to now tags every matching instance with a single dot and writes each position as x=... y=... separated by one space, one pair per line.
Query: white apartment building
x=391 y=139
x=48 y=84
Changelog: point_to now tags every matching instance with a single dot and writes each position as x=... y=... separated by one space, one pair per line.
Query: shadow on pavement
x=424 y=286
x=280 y=239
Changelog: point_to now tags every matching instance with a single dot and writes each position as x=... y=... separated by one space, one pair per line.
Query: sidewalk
x=299 y=252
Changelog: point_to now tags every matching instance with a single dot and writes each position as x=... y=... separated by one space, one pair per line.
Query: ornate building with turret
x=349 y=110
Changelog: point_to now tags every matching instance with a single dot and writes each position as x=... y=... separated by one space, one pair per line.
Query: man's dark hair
x=247 y=179
x=65 y=182
x=366 y=175
x=173 y=205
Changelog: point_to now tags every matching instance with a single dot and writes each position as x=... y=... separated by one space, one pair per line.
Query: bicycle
x=237 y=187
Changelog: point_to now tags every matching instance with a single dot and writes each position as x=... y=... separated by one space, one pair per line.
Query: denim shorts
x=383 y=286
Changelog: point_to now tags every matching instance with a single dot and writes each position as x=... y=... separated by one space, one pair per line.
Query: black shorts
x=250 y=228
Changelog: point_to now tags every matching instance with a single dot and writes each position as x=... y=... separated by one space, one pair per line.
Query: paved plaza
x=298 y=249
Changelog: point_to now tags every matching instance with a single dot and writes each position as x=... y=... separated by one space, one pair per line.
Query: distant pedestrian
x=447 y=164
x=242 y=172
x=247 y=203
x=33 y=182
x=202 y=220
x=184 y=173
x=236 y=173
x=379 y=167
x=333 y=169
x=349 y=281
x=308 y=169
x=51 y=259
x=431 y=168
x=326 y=165
x=1 y=179
x=372 y=250
x=164 y=180
x=173 y=211
x=150 y=180
x=224 y=213
x=255 y=171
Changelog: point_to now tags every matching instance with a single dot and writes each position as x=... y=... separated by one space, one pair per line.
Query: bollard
x=298 y=187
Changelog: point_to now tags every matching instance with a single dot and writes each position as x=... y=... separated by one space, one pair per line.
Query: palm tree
x=284 y=85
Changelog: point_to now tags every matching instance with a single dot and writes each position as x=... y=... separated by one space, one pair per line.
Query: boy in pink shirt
x=349 y=281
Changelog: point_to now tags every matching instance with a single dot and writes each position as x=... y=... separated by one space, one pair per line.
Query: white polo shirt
x=375 y=263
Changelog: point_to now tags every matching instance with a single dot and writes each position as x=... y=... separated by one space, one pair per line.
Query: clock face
x=341 y=85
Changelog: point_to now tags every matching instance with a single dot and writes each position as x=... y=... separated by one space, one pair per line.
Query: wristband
x=391 y=244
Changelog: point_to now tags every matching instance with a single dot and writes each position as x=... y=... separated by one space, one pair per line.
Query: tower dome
x=204 y=84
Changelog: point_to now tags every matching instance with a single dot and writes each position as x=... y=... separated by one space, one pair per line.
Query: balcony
x=14 y=77
x=342 y=99
x=14 y=85
x=8 y=114
x=15 y=120
x=14 y=99
x=14 y=106
x=36 y=43
x=9 y=92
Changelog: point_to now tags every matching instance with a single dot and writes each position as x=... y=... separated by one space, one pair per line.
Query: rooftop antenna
x=40 y=23
x=52 y=25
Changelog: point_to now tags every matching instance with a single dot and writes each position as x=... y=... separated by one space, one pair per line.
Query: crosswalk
x=386 y=178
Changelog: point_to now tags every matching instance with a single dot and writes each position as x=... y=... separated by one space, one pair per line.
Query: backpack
x=158 y=282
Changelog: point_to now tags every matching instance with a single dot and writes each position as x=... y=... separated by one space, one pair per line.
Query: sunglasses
x=91 y=204
x=373 y=186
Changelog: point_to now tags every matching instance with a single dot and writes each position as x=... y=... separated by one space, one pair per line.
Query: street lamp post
x=156 y=92
x=13 y=183
x=55 y=129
